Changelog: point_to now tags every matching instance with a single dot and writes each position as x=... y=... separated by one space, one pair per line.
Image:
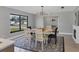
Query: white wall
x=5 y=21
x=65 y=21
x=39 y=21
x=48 y=21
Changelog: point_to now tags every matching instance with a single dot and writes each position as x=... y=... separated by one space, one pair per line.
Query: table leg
x=42 y=46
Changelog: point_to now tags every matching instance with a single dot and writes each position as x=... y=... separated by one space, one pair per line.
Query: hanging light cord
x=42 y=9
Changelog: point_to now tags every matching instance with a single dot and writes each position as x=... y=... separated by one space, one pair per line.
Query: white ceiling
x=47 y=9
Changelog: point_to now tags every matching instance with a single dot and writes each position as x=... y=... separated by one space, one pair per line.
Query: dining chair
x=28 y=36
x=50 y=36
x=40 y=37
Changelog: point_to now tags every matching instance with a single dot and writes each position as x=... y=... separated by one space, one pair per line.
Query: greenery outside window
x=18 y=23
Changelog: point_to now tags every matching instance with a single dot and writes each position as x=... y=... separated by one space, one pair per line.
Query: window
x=18 y=23
x=23 y=22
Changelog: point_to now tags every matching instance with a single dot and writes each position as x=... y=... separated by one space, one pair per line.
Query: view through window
x=18 y=22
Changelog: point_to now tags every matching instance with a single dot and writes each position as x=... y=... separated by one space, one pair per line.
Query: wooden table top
x=45 y=30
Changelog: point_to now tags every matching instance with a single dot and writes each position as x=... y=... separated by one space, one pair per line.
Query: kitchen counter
x=4 y=43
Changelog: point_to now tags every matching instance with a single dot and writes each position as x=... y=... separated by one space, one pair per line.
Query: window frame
x=20 y=28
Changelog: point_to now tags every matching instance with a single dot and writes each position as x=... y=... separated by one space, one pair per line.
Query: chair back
x=56 y=31
x=28 y=33
x=39 y=34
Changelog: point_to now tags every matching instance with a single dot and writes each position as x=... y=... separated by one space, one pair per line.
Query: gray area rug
x=23 y=42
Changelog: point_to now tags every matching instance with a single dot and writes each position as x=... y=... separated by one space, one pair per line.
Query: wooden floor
x=70 y=45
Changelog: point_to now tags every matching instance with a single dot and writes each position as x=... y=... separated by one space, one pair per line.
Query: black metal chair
x=50 y=36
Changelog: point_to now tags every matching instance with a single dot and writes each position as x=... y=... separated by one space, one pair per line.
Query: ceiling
x=47 y=9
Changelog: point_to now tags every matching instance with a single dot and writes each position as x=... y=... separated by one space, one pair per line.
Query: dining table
x=46 y=31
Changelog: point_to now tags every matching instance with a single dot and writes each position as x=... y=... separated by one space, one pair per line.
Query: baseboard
x=65 y=33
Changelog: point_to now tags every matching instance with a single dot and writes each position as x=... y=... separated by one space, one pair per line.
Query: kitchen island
x=6 y=45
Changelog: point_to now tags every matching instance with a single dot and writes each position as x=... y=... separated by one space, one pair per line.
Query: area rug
x=22 y=42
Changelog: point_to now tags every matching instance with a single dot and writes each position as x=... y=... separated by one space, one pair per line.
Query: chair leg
x=49 y=40
x=36 y=43
x=46 y=42
x=55 y=40
x=29 y=43
x=42 y=46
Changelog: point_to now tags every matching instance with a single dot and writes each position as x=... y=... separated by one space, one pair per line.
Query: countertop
x=4 y=43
